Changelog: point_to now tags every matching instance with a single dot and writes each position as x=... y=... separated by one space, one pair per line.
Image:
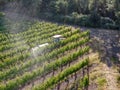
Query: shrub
x=118 y=19
x=69 y=19
x=1 y=18
x=101 y=81
x=59 y=18
x=2 y=21
x=95 y=19
x=74 y=17
x=84 y=82
x=78 y=19
x=84 y=21
x=118 y=79
x=105 y=20
x=2 y=14
x=108 y=23
x=110 y=26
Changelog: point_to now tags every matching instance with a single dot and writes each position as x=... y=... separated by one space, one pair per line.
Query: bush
x=2 y=21
x=95 y=19
x=84 y=82
x=118 y=79
x=118 y=15
x=101 y=81
x=59 y=18
x=75 y=17
x=78 y=19
x=1 y=18
x=69 y=19
x=108 y=23
x=84 y=21
x=110 y=26
x=2 y=14
x=48 y=15
x=105 y=20
x=118 y=19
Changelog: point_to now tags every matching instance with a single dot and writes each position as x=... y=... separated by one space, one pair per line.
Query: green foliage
x=118 y=79
x=95 y=19
x=101 y=81
x=118 y=19
x=105 y=20
x=61 y=76
x=84 y=82
x=117 y=5
x=89 y=12
x=69 y=19
x=72 y=6
x=2 y=20
x=84 y=21
x=18 y=52
x=2 y=14
x=14 y=84
x=61 y=6
x=108 y=23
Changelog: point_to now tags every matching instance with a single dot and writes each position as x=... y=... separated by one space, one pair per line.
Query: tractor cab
x=57 y=38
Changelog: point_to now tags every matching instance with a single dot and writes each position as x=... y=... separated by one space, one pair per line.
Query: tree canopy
x=106 y=10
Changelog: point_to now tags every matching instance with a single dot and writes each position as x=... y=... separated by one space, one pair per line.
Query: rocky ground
x=108 y=44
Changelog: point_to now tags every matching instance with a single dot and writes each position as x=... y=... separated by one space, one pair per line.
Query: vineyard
x=63 y=65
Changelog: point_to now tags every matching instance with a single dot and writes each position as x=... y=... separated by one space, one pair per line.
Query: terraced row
x=18 y=65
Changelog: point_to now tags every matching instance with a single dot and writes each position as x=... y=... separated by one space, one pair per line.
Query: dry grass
x=101 y=75
x=97 y=76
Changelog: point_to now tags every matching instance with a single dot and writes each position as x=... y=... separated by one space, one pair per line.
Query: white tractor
x=40 y=49
x=58 y=38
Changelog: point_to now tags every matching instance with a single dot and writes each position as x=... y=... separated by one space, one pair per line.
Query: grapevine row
x=61 y=76
x=13 y=71
x=62 y=43
x=28 y=76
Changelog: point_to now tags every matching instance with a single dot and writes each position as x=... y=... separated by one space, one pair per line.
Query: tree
x=2 y=21
x=102 y=8
x=61 y=7
x=82 y=6
x=94 y=5
x=118 y=19
x=117 y=5
x=72 y=7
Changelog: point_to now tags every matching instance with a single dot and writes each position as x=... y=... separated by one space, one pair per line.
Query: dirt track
x=109 y=42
